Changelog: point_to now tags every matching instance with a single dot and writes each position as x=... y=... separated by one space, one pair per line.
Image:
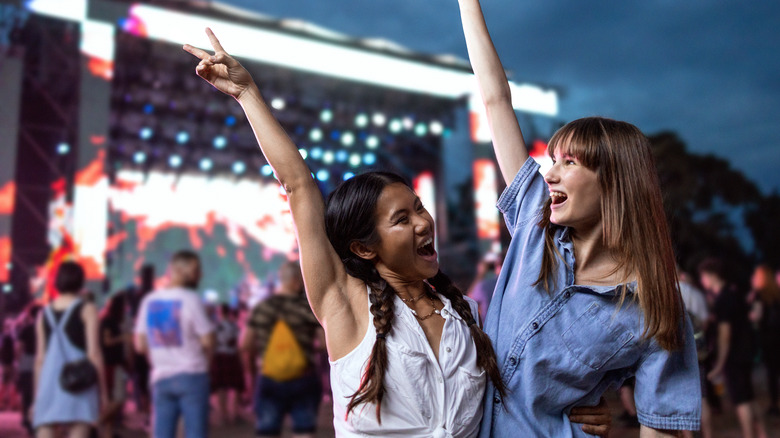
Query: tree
x=713 y=209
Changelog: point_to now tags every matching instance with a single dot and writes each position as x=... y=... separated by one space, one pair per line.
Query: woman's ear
x=362 y=251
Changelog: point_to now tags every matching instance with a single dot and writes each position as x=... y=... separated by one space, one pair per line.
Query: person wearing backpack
x=280 y=336
x=766 y=314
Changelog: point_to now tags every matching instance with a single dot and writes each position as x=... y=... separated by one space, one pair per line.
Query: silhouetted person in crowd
x=114 y=339
x=481 y=289
x=735 y=346
x=138 y=363
x=8 y=396
x=766 y=315
x=25 y=349
x=173 y=330
x=698 y=311
x=227 y=373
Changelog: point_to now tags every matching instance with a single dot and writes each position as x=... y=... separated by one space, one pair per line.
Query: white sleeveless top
x=423 y=397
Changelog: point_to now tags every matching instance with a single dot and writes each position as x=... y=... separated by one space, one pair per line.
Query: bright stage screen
x=242 y=229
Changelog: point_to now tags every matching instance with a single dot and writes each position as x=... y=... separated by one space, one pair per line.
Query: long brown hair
x=770 y=291
x=350 y=216
x=634 y=224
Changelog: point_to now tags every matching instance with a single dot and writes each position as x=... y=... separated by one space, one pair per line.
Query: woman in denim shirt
x=588 y=294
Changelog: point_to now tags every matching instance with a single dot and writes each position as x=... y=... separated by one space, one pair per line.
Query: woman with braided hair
x=408 y=356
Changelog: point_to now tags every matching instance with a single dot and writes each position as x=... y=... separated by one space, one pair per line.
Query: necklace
x=413 y=299
x=435 y=311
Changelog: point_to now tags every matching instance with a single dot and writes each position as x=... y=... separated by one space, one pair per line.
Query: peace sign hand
x=221 y=70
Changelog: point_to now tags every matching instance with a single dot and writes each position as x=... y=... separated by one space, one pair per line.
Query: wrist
x=249 y=93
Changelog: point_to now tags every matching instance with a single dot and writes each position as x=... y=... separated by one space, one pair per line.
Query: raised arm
x=493 y=85
x=323 y=272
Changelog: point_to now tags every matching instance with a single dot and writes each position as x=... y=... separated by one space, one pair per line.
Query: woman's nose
x=552 y=175
x=422 y=225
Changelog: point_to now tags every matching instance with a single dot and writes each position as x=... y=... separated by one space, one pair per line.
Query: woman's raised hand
x=221 y=70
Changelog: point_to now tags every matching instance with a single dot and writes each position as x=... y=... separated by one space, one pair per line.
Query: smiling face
x=574 y=191
x=405 y=229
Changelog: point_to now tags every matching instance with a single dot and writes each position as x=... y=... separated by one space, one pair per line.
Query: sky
x=709 y=71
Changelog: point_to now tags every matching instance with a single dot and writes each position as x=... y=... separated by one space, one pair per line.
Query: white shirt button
x=444 y=312
x=448 y=349
x=440 y=379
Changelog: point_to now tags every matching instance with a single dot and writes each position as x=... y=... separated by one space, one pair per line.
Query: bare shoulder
x=89 y=311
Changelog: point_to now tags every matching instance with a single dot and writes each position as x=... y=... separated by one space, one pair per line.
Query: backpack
x=284 y=358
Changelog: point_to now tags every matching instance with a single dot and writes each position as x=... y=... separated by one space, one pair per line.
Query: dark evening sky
x=709 y=71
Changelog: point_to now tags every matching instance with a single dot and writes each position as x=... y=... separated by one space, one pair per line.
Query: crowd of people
x=215 y=360
x=585 y=298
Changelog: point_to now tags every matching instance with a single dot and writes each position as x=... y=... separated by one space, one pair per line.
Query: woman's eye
x=401 y=220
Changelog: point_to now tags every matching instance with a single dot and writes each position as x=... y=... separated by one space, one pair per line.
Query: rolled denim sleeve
x=522 y=200
x=668 y=389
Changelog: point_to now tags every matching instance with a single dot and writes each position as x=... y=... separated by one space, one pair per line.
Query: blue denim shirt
x=561 y=350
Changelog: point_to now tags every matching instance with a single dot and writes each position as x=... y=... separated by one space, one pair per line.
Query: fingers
x=588 y=410
x=602 y=431
x=214 y=41
x=202 y=54
x=591 y=419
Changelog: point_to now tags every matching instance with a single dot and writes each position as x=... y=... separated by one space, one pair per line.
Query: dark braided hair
x=486 y=356
x=350 y=216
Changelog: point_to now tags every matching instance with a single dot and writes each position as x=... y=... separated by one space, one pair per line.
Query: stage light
x=206 y=164
x=408 y=123
x=379 y=119
x=316 y=153
x=139 y=157
x=315 y=135
x=361 y=120
x=219 y=142
x=211 y=296
x=267 y=170
x=239 y=167
x=328 y=157
x=369 y=159
x=182 y=137
x=230 y=120
x=7 y=288
x=348 y=139
x=372 y=142
x=63 y=148
x=436 y=127
x=323 y=175
x=420 y=129
x=326 y=115
x=335 y=135
x=347 y=175
x=396 y=126
x=145 y=133
x=342 y=156
x=278 y=103
x=148 y=108
x=304 y=153
x=354 y=160
x=174 y=161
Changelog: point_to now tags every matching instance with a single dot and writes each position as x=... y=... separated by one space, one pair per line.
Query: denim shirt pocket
x=593 y=339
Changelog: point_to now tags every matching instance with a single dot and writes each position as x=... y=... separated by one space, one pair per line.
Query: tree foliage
x=714 y=210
